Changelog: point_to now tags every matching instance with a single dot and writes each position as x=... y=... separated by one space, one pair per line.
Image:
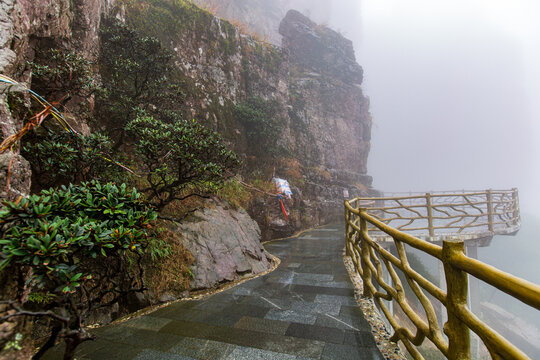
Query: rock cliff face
x=262 y=17
x=24 y=24
x=315 y=80
x=225 y=245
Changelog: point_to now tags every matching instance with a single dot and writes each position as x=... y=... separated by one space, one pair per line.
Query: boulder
x=225 y=244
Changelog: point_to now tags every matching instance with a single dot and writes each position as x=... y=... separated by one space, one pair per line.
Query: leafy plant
x=181 y=159
x=138 y=73
x=262 y=121
x=14 y=344
x=58 y=73
x=79 y=247
x=61 y=158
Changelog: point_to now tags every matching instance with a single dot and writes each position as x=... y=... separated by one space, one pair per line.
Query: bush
x=261 y=119
x=61 y=158
x=180 y=159
x=137 y=73
x=79 y=248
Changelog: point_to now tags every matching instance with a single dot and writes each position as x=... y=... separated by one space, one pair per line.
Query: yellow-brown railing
x=369 y=257
x=481 y=213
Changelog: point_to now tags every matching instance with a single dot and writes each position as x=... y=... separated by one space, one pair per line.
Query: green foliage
x=159 y=249
x=138 y=73
x=41 y=297
x=178 y=157
x=79 y=248
x=61 y=158
x=262 y=121
x=57 y=232
x=235 y=194
x=14 y=344
x=166 y=19
x=57 y=73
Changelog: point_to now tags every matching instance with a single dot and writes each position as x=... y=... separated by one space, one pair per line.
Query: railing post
x=366 y=271
x=430 y=215
x=515 y=205
x=459 y=340
x=490 y=209
x=347 y=229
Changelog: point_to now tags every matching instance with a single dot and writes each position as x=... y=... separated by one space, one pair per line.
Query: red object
x=284 y=211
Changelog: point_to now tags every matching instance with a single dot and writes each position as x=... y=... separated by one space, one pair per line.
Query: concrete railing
x=379 y=269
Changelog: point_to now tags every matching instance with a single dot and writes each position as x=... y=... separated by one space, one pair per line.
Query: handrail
x=370 y=258
x=431 y=214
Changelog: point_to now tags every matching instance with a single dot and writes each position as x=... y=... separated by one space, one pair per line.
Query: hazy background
x=455 y=93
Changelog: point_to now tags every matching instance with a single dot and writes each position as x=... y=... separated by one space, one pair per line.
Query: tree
x=137 y=73
x=180 y=159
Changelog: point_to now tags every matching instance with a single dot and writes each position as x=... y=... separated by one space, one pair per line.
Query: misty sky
x=454 y=89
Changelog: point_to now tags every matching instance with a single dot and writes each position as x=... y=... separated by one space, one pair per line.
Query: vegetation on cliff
x=75 y=249
x=80 y=247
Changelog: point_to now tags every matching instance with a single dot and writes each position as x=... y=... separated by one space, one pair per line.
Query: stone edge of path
x=201 y=294
x=390 y=350
x=208 y=292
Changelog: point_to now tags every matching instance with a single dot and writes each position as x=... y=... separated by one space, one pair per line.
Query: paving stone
x=203 y=349
x=108 y=350
x=343 y=300
x=248 y=338
x=159 y=355
x=294 y=265
x=322 y=290
x=313 y=307
x=149 y=339
x=359 y=339
x=246 y=353
x=262 y=325
x=341 y=322
x=291 y=316
x=326 y=334
x=147 y=323
x=303 y=310
x=347 y=352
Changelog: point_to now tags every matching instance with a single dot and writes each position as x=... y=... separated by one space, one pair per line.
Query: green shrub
x=137 y=72
x=262 y=121
x=79 y=248
x=57 y=72
x=180 y=159
x=61 y=158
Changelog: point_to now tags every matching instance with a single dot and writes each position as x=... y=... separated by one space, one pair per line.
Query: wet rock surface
x=305 y=309
x=225 y=244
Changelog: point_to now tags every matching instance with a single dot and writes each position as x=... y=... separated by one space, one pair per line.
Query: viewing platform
x=465 y=215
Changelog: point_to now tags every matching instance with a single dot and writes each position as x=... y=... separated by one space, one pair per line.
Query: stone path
x=305 y=309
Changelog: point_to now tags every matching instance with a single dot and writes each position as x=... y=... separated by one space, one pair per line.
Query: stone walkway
x=305 y=309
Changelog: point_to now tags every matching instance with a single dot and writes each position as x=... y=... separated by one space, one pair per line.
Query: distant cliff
x=262 y=17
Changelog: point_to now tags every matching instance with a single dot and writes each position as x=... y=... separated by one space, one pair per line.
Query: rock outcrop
x=24 y=25
x=225 y=244
x=262 y=17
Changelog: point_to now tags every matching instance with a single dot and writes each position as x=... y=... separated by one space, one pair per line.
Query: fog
x=454 y=94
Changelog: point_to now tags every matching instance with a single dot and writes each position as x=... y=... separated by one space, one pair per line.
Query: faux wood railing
x=369 y=258
x=480 y=213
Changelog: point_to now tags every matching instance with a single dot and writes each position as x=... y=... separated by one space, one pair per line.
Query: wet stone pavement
x=305 y=309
